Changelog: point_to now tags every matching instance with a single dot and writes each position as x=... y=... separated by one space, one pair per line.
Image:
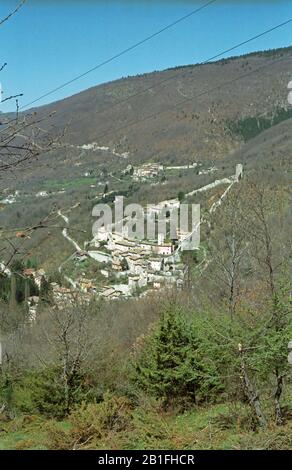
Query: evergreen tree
x=4 y=287
x=45 y=290
x=181 y=196
x=170 y=365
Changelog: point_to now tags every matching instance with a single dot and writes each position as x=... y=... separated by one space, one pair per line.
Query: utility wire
x=203 y=93
x=123 y=52
x=13 y=12
x=210 y=59
x=110 y=131
x=236 y=46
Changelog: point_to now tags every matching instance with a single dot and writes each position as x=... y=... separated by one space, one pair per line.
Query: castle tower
x=239 y=172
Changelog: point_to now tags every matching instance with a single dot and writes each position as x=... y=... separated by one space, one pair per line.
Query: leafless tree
x=64 y=338
x=22 y=140
x=229 y=247
x=250 y=390
x=250 y=244
x=269 y=248
x=70 y=338
x=24 y=137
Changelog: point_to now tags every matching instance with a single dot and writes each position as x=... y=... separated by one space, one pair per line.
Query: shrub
x=43 y=392
x=91 y=423
x=151 y=428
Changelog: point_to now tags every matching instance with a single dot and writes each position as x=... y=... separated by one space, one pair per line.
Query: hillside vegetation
x=199 y=365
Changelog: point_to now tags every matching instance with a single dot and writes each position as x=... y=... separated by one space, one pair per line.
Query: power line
x=108 y=131
x=180 y=73
x=206 y=92
x=210 y=59
x=123 y=52
x=13 y=12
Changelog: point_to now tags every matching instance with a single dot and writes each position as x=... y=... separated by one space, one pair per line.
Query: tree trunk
x=277 y=396
x=232 y=280
x=250 y=392
x=231 y=301
x=26 y=290
x=66 y=389
x=26 y=294
x=12 y=299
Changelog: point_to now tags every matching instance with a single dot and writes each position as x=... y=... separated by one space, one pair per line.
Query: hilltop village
x=126 y=267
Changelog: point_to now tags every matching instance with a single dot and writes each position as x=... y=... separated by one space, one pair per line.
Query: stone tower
x=239 y=172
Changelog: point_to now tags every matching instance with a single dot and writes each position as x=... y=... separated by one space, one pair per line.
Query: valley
x=176 y=338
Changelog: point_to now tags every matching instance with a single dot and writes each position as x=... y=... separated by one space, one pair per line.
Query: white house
x=122 y=288
x=133 y=282
x=155 y=263
x=167 y=205
x=143 y=280
x=102 y=234
x=135 y=263
x=165 y=249
x=100 y=256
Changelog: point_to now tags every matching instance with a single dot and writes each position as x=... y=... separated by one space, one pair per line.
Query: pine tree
x=170 y=365
x=45 y=290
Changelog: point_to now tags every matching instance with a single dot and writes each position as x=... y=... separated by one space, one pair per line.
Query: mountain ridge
x=182 y=125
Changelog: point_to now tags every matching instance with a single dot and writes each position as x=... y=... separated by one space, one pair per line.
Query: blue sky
x=49 y=42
